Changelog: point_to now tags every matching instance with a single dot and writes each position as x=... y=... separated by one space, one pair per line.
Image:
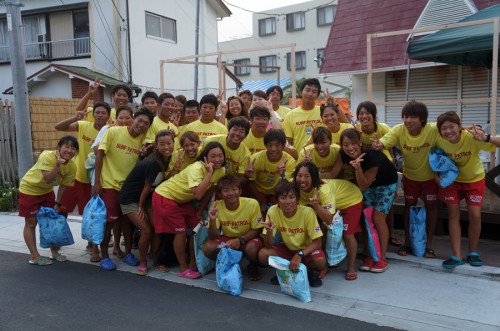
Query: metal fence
x=8 y=153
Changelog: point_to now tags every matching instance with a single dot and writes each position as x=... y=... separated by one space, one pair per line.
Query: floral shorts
x=380 y=197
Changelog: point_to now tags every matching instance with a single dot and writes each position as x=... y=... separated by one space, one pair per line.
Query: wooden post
x=369 y=77
x=294 y=77
x=223 y=82
x=219 y=69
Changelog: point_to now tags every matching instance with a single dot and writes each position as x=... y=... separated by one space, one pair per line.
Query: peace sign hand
x=59 y=159
x=94 y=86
x=282 y=167
x=329 y=98
x=213 y=212
x=356 y=163
x=250 y=169
x=477 y=132
x=269 y=225
x=81 y=114
x=376 y=143
x=223 y=108
x=209 y=167
x=314 y=200
x=180 y=160
x=308 y=155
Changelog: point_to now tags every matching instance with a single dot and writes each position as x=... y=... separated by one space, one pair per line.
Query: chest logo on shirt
x=415 y=149
x=292 y=231
x=127 y=149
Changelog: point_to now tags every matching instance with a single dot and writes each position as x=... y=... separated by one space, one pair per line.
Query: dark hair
x=124 y=108
x=328 y=105
x=191 y=104
x=228 y=181
x=149 y=94
x=259 y=112
x=207 y=148
x=287 y=187
x=239 y=122
x=311 y=82
x=351 y=133
x=417 y=109
x=102 y=104
x=180 y=98
x=69 y=140
x=260 y=94
x=247 y=92
x=145 y=111
x=190 y=135
x=123 y=87
x=271 y=90
x=275 y=135
x=321 y=133
x=243 y=108
x=450 y=116
x=156 y=156
x=313 y=171
x=370 y=108
x=164 y=96
x=210 y=99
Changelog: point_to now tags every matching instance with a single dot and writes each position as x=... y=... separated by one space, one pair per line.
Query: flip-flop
x=189 y=274
x=42 y=261
x=107 y=264
x=162 y=268
x=59 y=258
x=142 y=271
x=429 y=253
x=351 y=276
x=452 y=262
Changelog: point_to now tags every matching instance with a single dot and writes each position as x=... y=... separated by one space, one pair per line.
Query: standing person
x=300 y=122
x=259 y=119
x=274 y=95
x=53 y=168
x=330 y=118
x=207 y=125
x=322 y=153
x=180 y=100
x=135 y=195
x=246 y=96
x=181 y=158
x=162 y=121
x=173 y=211
x=415 y=137
x=117 y=155
x=377 y=178
x=300 y=232
x=259 y=99
x=150 y=101
x=234 y=107
x=121 y=95
x=463 y=147
x=190 y=113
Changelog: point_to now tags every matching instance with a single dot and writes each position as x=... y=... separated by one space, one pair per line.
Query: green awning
x=470 y=45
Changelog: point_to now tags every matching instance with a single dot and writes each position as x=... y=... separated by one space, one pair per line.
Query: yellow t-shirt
x=325 y=196
x=156 y=127
x=415 y=149
x=346 y=193
x=465 y=154
x=33 y=182
x=236 y=159
x=236 y=223
x=382 y=129
x=86 y=136
x=266 y=175
x=187 y=160
x=299 y=125
x=336 y=135
x=282 y=112
x=121 y=152
x=205 y=130
x=324 y=164
x=253 y=143
x=90 y=116
x=179 y=188
x=298 y=231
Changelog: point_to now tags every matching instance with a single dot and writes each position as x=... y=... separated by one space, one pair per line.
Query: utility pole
x=24 y=143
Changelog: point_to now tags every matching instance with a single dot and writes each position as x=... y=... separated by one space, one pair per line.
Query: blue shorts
x=380 y=197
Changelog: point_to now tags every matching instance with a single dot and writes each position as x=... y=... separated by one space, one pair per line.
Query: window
x=81 y=32
x=242 y=71
x=295 y=21
x=300 y=60
x=267 y=26
x=325 y=15
x=269 y=60
x=161 y=27
x=320 y=56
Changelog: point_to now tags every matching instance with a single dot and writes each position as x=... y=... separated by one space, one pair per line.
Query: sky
x=239 y=25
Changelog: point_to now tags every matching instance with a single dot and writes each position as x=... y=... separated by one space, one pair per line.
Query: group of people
x=264 y=179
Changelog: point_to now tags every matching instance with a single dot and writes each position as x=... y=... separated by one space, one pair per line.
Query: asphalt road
x=74 y=296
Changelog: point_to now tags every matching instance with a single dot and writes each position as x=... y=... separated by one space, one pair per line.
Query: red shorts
x=172 y=217
x=79 y=194
x=352 y=218
x=472 y=192
x=30 y=204
x=256 y=241
x=428 y=190
x=284 y=252
x=111 y=200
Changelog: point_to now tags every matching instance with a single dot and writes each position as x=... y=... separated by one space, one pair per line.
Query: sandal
x=351 y=276
x=253 y=272
x=131 y=260
x=474 y=260
x=404 y=251
x=142 y=271
x=452 y=262
x=59 y=258
x=393 y=241
x=107 y=264
x=42 y=261
x=429 y=253
x=189 y=274
x=162 y=268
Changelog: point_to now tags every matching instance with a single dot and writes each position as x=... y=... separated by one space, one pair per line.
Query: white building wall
x=360 y=92
x=59 y=86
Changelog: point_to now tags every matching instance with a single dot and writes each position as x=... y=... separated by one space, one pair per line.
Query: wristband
x=488 y=136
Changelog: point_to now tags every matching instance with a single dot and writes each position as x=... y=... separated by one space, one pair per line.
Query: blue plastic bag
x=204 y=264
x=54 y=229
x=444 y=166
x=228 y=272
x=418 y=236
x=94 y=220
x=373 y=239
x=293 y=283
x=335 y=249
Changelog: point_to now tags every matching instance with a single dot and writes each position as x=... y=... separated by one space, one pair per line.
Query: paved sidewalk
x=413 y=294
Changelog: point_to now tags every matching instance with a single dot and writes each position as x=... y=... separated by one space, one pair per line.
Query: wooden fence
x=8 y=153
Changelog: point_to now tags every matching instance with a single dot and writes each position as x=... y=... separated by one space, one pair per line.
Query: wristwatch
x=242 y=241
x=301 y=254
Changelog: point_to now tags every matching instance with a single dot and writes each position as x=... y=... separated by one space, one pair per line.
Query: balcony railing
x=50 y=50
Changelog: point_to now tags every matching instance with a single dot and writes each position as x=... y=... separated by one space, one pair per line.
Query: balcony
x=52 y=50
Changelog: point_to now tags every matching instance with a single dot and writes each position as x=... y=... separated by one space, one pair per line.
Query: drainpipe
x=196 y=49
x=128 y=46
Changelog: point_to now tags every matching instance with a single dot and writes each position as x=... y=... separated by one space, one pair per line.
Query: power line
x=271 y=14
x=103 y=54
x=113 y=1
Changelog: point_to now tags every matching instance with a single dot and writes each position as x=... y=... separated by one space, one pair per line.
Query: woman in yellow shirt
x=53 y=168
x=330 y=117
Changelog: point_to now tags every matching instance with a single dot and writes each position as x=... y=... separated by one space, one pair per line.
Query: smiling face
x=351 y=148
x=309 y=94
x=230 y=194
x=124 y=118
x=258 y=101
x=235 y=136
x=190 y=148
x=247 y=100
x=120 y=98
x=413 y=124
x=259 y=124
x=191 y=114
x=67 y=151
x=274 y=151
x=216 y=157
x=275 y=98
x=207 y=112
x=304 y=180
x=235 y=107
x=288 y=203
x=140 y=125
x=323 y=147
x=101 y=116
x=165 y=146
x=365 y=117
x=450 y=131
x=151 y=104
x=167 y=108
x=330 y=117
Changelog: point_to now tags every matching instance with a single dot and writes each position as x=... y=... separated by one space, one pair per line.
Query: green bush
x=8 y=198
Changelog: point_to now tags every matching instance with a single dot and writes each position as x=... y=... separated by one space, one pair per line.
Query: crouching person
x=299 y=231
x=237 y=222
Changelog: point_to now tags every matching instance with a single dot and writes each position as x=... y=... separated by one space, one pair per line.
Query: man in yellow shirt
x=239 y=220
x=162 y=121
x=117 y=155
x=300 y=122
x=121 y=95
x=207 y=125
x=299 y=230
x=190 y=114
x=259 y=120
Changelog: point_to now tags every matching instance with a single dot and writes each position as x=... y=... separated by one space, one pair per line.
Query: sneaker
x=452 y=262
x=474 y=260
x=379 y=266
x=367 y=264
x=130 y=259
x=314 y=280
